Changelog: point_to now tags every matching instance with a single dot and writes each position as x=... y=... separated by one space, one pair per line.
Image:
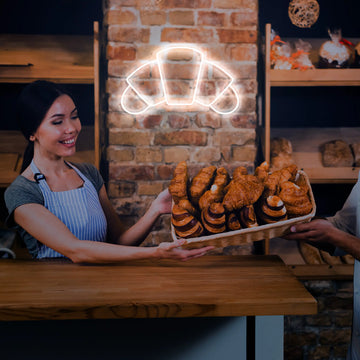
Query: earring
x=32 y=138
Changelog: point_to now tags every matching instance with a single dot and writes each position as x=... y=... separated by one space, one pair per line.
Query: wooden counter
x=205 y=287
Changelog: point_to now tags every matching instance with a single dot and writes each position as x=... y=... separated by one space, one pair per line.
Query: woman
x=62 y=209
x=339 y=235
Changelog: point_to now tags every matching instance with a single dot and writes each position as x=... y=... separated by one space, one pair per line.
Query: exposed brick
x=120 y=3
x=198 y=35
x=238 y=137
x=334 y=302
x=153 y=188
x=190 y=4
x=120 y=52
x=244 y=52
x=181 y=18
x=247 y=104
x=206 y=155
x=182 y=137
x=320 y=353
x=237 y=36
x=149 y=121
x=133 y=172
x=243 y=121
x=129 y=138
x=211 y=18
x=208 y=119
x=244 y=19
x=148 y=154
x=118 y=68
x=165 y=172
x=120 y=153
x=120 y=120
x=120 y=17
x=176 y=154
x=121 y=189
x=152 y=18
x=244 y=153
x=335 y=336
x=318 y=320
x=245 y=5
x=128 y=35
x=244 y=70
x=178 y=121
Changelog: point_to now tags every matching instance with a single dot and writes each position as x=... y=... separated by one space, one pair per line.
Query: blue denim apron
x=79 y=209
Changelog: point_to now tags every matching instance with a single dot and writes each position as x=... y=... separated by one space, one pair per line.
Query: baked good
x=216 y=192
x=336 y=153
x=187 y=205
x=272 y=210
x=356 y=151
x=295 y=198
x=310 y=254
x=185 y=225
x=276 y=178
x=248 y=217
x=280 y=153
x=178 y=184
x=201 y=182
x=239 y=172
x=233 y=222
x=213 y=218
x=329 y=259
x=242 y=193
x=348 y=259
x=262 y=171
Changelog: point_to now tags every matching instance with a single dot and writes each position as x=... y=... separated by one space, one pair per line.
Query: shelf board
x=59 y=58
x=306 y=155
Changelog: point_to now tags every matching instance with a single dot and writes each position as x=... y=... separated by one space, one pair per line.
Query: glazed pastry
x=201 y=182
x=296 y=199
x=185 y=225
x=272 y=210
x=233 y=222
x=242 y=193
x=216 y=192
x=178 y=184
x=213 y=218
x=247 y=217
x=239 y=172
x=262 y=171
x=187 y=205
x=275 y=179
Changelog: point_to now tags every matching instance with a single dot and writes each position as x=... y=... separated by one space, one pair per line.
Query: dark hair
x=33 y=103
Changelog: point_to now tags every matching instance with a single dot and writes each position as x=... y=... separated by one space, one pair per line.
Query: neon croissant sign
x=180 y=76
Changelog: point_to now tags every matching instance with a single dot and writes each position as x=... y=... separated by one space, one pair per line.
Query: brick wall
x=144 y=149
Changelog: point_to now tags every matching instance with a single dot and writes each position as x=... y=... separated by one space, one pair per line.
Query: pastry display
x=185 y=224
x=213 y=218
x=336 y=153
x=272 y=210
x=201 y=182
x=216 y=202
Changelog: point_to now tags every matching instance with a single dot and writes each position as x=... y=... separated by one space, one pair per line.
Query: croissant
x=201 y=182
x=233 y=222
x=213 y=218
x=239 y=172
x=271 y=210
x=178 y=184
x=275 y=179
x=262 y=171
x=248 y=217
x=216 y=192
x=242 y=193
x=186 y=205
x=185 y=224
x=295 y=198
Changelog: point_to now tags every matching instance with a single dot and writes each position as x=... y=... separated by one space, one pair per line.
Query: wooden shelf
x=58 y=58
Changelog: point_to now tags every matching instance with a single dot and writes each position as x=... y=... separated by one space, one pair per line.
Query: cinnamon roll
x=185 y=224
x=213 y=218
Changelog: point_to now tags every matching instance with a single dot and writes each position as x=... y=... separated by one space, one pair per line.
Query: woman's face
x=56 y=136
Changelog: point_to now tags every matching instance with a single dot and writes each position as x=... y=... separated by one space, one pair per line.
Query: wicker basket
x=245 y=236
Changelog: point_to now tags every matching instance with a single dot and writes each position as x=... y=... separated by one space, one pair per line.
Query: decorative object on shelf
x=303 y=13
x=280 y=153
x=335 y=53
x=301 y=59
x=336 y=153
x=280 y=53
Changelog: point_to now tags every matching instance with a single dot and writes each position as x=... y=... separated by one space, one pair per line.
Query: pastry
x=242 y=193
x=188 y=206
x=310 y=253
x=275 y=179
x=356 y=151
x=272 y=210
x=295 y=198
x=239 y=172
x=233 y=222
x=216 y=192
x=213 y=218
x=185 y=224
x=329 y=259
x=262 y=171
x=336 y=153
x=178 y=184
x=201 y=182
x=348 y=259
x=280 y=153
x=247 y=217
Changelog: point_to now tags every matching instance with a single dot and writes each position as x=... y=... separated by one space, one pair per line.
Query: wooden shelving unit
x=68 y=59
x=306 y=141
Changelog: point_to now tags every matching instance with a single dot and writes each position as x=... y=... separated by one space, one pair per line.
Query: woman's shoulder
x=91 y=172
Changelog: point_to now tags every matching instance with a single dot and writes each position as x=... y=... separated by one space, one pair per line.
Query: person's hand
x=317 y=231
x=172 y=250
x=162 y=203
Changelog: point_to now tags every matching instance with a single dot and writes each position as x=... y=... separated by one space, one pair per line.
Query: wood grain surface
x=205 y=287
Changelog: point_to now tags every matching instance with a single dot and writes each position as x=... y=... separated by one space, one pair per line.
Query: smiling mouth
x=68 y=142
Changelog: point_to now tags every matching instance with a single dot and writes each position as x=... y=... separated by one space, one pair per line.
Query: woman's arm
x=320 y=232
x=138 y=232
x=51 y=231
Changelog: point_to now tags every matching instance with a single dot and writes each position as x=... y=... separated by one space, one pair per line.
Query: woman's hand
x=172 y=250
x=162 y=204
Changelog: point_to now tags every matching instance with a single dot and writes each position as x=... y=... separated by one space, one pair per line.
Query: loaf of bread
x=336 y=153
x=356 y=151
x=280 y=153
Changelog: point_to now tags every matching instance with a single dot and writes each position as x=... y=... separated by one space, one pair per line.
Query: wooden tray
x=248 y=235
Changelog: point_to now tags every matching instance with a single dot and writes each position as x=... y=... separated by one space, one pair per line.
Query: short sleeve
x=22 y=191
x=92 y=173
